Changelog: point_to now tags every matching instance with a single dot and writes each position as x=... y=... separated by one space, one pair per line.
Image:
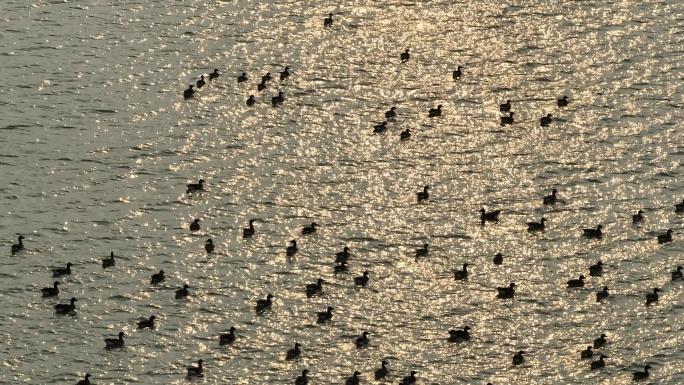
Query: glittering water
x=98 y=145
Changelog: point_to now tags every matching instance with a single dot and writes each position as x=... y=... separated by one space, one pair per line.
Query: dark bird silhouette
x=390 y=114
x=294 y=353
x=209 y=246
x=267 y=77
x=196 y=370
x=183 y=293
x=460 y=275
x=546 y=120
x=51 y=291
x=264 y=304
x=201 y=82
x=506 y=107
x=328 y=20
x=342 y=255
x=228 y=337
x=423 y=195
x=498 y=259
x=382 y=127
x=148 y=323
x=459 y=335
x=353 y=380
x=410 y=379
x=341 y=267
x=383 y=371
x=507 y=119
x=315 y=288
x=665 y=238
x=310 y=229
x=642 y=375
x=518 y=358
x=576 y=282
x=195 y=226
x=551 y=199
x=562 y=102
x=214 y=75
x=603 y=294
x=158 y=277
x=506 y=292
x=457 y=73
x=677 y=274
x=405 y=135
x=587 y=353
x=109 y=262
x=187 y=94
x=303 y=379
x=261 y=86
x=599 y=364
x=17 y=247
x=405 y=56
x=600 y=342
x=86 y=380
x=679 y=207
x=115 y=342
x=249 y=231
x=596 y=270
x=638 y=217
x=56 y=272
x=194 y=187
x=423 y=251
x=292 y=249
x=285 y=74
x=653 y=297
x=276 y=100
x=489 y=216
x=325 y=316
x=362 y=280
x=593 y=233
x=250 y=101
x=537 y=226
x=63 y=308
x=242 y=78
x=434 y=112
x=363 y=341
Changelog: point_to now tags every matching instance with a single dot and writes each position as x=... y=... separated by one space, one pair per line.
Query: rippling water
x=98 y=145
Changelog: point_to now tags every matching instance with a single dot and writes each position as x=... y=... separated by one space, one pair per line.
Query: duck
x=324 y=316
x=64 y=308
x=460 y=275
x=194 y=187
x=391 y=114
x=187 y=94
x=576 y=282
x=498 y=259
x=353 y=380
x=423 y=195
x=115 y=342
x=250 y=101
x=276 y=100
x=459 y=335
x=677 y=274
x=551 y=199
x=303 y=379
x=563 y=102
x=665 y=238
x=411 y=378
x=249 y=231
x=506 y=292
x=201 y=82
x=588 y=353
x=537 y=226
x=196 y=370
x=310 y=229
x=382 y=127
x=507 y=119
x=285 y=74
x=433 y=112
x=342 y=255
x=315 y=288
x=294 y=352
x=147 y=323
x=209 y=246
x=593 y=233
x=642 y=375
x=51 y=291
x=603 y=294
x=598 y=364
x=457 y=73
x=422 y=252
x=158 y=277
x=195 y=226
x=679 y=207
x=546 y=120
x=109 y=262
x=653 y=297
x=405 y=56
x=518 y=358
x=56 y=272
x=17 y=247
x=328 y=20
x=86 y=380
x=183 y=293
x=264 y=304
x=362 y=280
x=242 y=78
x=214 y=75
x=382 y=372
x=228 y=337
x=261 y=86
x=292 y=249
x=638 y=217
x=600 y=342
x=489 y=216
x=267 y=77
x=505 y=107
x=405 y=135
x=363 y=341
x=341 y=267
x=596 y=270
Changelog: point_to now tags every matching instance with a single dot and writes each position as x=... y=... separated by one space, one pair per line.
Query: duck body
x=277 y=100
x=489 y=216
x=537 y=226
x=653 y=297
x=459 y=335
x=242 y=78
x=285 y=74
x=310 y=229
x=587 y=353
x=109 y=262
x=378 y=128
x=194 y=187
x=147 y=324
x=391 y=114
x=19 y=246
x=546 y=120
x=600 y=342
x=362 y=341
x=460 y=275
x=576 y=282
x=562 y=102
x=505 y=107
x=292 y=249
x=410 y=379
x=551 y=199
x=183 y=293
x=362 y=280
x=229 y=337
x=189 y=93
x=498 y=259
x=342 y=255
x=405 y=135
x=85 y=381
x=264 y=304
x=665 y=238
x=62 y=271
x=214 y=75
x=294 y=352
x=249 y=231
x=63 y=308
x=596 y=270
x=518 y=358
x=506 y=292
x=382 y=372
x=457 y=73
x=261 y=86
x=325 y=316
x=423 y=195
x=423 y=252
x=677 y=274
x=195 y=226
x=353 y=380
x=158 y=277
x=600 y=364
x=196 y=370
x=679 y=207
x=201 y=82
x=209 y=246
x=51 y=291
x=405 y=56
x=603 y=294
x=250 y=101
x=341 y=267
x=593 y=233
x=115 y=342
x=315 y=288
x=434 y=112
x=327 y=22
x=638 y=217
x=641 y=375
x=507 y=119
x=303 y=379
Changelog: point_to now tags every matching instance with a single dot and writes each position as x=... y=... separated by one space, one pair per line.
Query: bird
x=653 y=297
x=362 y=280
x=506 y=292
x=489 y=216
x=363 y=341
x=310 y=229
x=187 y=94
x=505 y=107
x=423 y=195
x=593 y=233
x=382 y=372
x=209 y=246
x=196 y=370
x=405 y=135
x=292 y=249
x=86 y=380
x=264 y=304
x=250 y=101
x=638 y=217
x=147 y=323
x=507 y=119
x=598 y=364
x=382 y=127
x=285 y=74
x=546 y=120
x=303 y=379
x=457 y=73
x=193 y=187
x=242 y=78
x=551 y=199
x=342 y=255
x=405 y=56
x=576 y=282
x=261 y=86
x=537 y=226
x=17 y=247
x=642 y=375
x=51 y=291
x=56 y=272
x=229 y=337
x=267 y=77
x=315 y=288
x=294 y=352
x=64 y=308
x=214 y=75
x=498 y=259
x=276 y=100
x=460 y=275
x=518 y=358
x=679 y=207
x=596 y=270
x=422 y=252
x=677 y=274
x=459 y=335
x=328 y=20
x=665 y=238
x=158 y=277
x=390 y=114
x=324 y=316
x=602 y=294
x=562 y=102
x=410 y=379
x=433 y=112
x=195 y=226
x=353 y=380
x=600 y=341
x=109 y=262
x=115 y=342
x=588 y=353
x=249 y=231
x=341 y=267
x=183 y=293
x=201 y=82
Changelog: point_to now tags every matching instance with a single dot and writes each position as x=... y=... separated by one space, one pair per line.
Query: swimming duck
x=653 y=297
x=249 y=231
x=187 y=94
x=183 y=293
x=588 y=353
x=405 y=135
x=353 y=380
x=294 y=352
x=56 y=272
x=498 y=259
x=229 y=337
x=201 y=82
x=148 y=323
x=422 y=252
x=115 y=342
x=638 y=217
x=433 y=112
x=196 y=370
x=342 y=267
x=261 y=86
x=315 y=288
x=679 y=207
x=310 y=229
x=410 y=379
x=576 y=282
x=276 y=100
x=158 y=277
x=677 y=274
x=506 y=107
x=51 y=291
x=489 y=216
x=457 y=73
x=109 y=262
x=292 y=249
x=362 y=280
x=507 y=119
x=536 y=226
x=17 y=247
x=383 y=371
x=602 y=294
x=303 y=379
x=328 y=20
x=342 y=255
x=423 y=195
x=390 y=114
x=209 y=246
x=250 y=101
x=63 y=308
x=593 y=233
x=405 y=56
x=642 y=375
x=193 y=187
x=460 y=275
x=506 y=292
x=459 y=335
x=598 y=364
x=242 y=78
x=264 y=304
x=195 y=226
x=324 y=316
x=518 y=358
x=596 y=270
x=551 y=199
x=214 y=75
x=267 y=77
x=600 y=342
x=363 y=341
x=562 y=102
x=546 y=120
x=85 y=381
x=285 y=74
x=665 y=238
x=382 y=127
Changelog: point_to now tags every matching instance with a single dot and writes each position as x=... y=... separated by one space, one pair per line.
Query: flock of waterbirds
x=342 y=258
